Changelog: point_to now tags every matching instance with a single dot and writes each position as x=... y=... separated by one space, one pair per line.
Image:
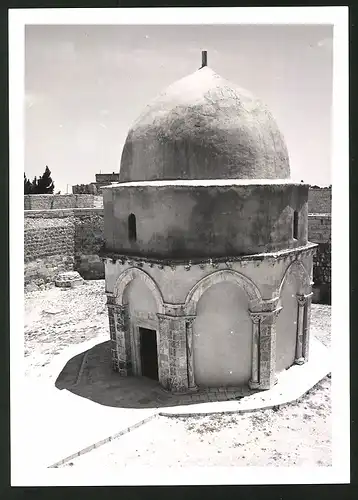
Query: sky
x=86 y=85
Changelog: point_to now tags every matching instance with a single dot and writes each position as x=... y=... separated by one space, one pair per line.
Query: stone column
x=307 y=328
x=299 y=336
x=112 y=330
x=254 y=382
x=190 y=354
x=303 y=328
x=120 y=337
x=163 y=352
x=264 y=349
x=173 y=365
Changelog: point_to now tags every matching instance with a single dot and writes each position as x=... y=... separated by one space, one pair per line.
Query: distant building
x=95 y=187
x=105 y=179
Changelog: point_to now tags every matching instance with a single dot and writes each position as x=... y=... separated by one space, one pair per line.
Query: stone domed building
x=207 y=264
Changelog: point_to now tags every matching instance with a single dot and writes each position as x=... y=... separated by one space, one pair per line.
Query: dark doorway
x=148 y=353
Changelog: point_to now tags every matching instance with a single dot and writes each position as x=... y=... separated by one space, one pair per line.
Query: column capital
x=303 y=298
x=111 y=299
x=189 y=319
x=257 y=316
x=117 y=307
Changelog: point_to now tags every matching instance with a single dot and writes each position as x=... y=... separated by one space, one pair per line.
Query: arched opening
x=132 y=228
x=295 y=225
x=286 y=326
x=222 y=337
x=143 y=328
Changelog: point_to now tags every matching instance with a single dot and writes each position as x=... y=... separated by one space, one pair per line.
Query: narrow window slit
x=295 y=225
x=132 y=228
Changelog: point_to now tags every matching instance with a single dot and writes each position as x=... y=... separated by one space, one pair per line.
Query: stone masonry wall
x=88 y=240
x=48 y=245
x=62 y=240
x=319 y=231
x=57 y=201
x=319 y=228
x=85 y=189
x=320 y=200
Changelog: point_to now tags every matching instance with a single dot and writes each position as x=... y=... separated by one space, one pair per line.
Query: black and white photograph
x=173 y=315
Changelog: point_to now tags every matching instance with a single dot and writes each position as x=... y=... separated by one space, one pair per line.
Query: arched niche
x=131 y=274
x=222 y=276
x=295 y=281
x=139 y=298
x=222 y=336
x=303 y=279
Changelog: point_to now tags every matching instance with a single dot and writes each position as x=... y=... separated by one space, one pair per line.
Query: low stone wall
x=58 y=201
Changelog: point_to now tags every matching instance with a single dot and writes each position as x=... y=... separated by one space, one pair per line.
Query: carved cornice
x=214 y=262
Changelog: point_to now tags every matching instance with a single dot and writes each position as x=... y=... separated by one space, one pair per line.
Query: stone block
x=68 y=280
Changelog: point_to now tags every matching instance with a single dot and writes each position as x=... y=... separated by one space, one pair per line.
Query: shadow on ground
x=90 y=376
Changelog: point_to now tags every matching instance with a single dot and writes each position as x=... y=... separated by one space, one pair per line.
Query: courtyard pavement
x=81 y=403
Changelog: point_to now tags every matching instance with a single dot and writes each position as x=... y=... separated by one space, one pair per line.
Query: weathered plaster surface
x=204 y=127
x=286 y=330
x=222 y=337
x=195 y=221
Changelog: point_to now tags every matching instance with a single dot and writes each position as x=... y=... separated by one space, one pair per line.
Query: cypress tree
x=27 y=185
x=45 y=184
x=34 y=186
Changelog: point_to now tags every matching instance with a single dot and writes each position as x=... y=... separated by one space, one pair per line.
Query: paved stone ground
x=56 y=319
x=100 y=384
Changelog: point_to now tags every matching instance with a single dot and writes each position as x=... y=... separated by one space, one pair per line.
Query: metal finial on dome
x=204 y=58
